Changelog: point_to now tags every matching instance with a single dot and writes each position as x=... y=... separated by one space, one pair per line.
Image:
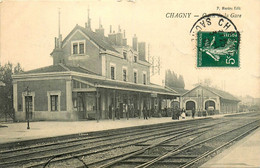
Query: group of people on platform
x=130 y=112
x=181 y=113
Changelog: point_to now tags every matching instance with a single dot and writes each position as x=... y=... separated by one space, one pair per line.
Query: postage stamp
x=217 y=49
x=217 y=41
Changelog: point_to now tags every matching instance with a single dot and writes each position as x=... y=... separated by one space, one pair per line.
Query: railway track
x=187 y=154
x=88 y=145
x=150 y=146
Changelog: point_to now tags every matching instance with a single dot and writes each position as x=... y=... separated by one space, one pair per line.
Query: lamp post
x=27 y=92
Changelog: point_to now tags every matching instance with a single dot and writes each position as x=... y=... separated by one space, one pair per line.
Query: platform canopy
x=87 y=77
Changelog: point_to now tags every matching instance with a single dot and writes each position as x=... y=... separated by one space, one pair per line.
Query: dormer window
x=78 y=47
x=75 y=48
x=125 y=55
x=144 y=78
x=81 y=48
x=135 y=58
x=113 y=71
x=135 y=75
x=124 y=73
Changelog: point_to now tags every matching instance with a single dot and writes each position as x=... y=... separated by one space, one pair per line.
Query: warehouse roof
x=220 y=93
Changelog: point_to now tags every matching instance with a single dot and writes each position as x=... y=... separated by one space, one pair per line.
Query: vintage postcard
x=129 y=83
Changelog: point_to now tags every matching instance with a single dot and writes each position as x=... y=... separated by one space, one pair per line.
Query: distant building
x=202 y=97
x=248 y=100
x=91 y=76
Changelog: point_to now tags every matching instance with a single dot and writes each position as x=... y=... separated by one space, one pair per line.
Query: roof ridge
x=167 y=87
x=82 y=67
x=219 y=90
x=38 y=68
x=63 y=66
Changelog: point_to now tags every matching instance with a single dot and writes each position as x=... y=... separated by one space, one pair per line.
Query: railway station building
x=203 y=97
x=93 y=76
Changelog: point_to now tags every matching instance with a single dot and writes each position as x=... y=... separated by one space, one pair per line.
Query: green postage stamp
x=218 y=49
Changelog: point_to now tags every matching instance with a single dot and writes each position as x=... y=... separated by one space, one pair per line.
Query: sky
x=28 y=29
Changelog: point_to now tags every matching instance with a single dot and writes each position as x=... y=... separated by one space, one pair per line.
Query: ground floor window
x=54 y=102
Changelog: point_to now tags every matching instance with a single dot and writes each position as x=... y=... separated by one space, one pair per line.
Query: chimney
x=60 y=40
x=89 y=20
x=124 y=40
x=141 y=50
x=135 y=43
x=57 y=53
x=89 y=23
x=56 y=42
x=100 y=31
x=110 y=31
x=119 y=37
x=86 y=25
x=112 y=38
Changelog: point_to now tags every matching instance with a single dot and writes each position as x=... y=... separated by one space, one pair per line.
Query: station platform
x=13 y=132
x=243 y=154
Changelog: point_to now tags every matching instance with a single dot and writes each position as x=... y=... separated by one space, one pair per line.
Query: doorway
x=190 y=105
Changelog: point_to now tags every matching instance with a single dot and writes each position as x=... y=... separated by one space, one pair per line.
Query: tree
x=6 y=96
x=173 y=80
x=181 y=80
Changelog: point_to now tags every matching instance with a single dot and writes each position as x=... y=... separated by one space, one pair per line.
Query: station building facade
x=202 y=97
x=91 y=76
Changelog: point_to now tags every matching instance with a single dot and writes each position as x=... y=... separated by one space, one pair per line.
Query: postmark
x=217 y=41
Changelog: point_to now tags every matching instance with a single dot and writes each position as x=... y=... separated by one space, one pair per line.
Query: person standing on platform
x=145 y=113
x=165 y=111
x=152 y=112
x=193 y=112
x=149 y=113
x=174 y=111
x=117 y=113
x=178 y=113
x=183 y=114
x=127 y=109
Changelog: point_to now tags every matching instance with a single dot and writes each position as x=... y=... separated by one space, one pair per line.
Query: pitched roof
x=102 y=81
x=178 y=90
x=102 y=42
x=220 y=93
x=52 y=68
x=59 y=68
x=107 y=83
x=79 y=69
